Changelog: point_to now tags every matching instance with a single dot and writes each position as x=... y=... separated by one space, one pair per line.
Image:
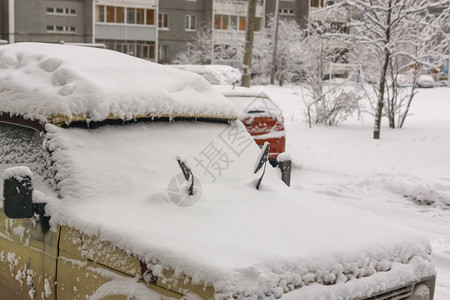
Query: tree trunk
x=379 y=111
x=248 y=54
x=275 y=45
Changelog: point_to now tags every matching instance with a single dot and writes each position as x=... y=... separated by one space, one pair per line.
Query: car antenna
x=262 y=160
x=186 y=172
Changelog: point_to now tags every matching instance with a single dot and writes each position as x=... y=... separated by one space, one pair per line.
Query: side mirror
x=262 y=161
x=285 y=165
x=17 y=193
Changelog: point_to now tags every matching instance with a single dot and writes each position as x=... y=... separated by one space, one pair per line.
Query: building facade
x=295 y=10
x=150 y=29
x=50 y=21
x=127 y=26
x=178 y=23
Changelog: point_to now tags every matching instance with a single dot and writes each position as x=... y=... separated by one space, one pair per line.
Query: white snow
x=17 y=173
x=41 y=81
x=113 y=184
x=390 y=177
x=214 y=74
x=311 y=238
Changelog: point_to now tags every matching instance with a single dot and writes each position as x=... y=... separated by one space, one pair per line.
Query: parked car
x=426 y=81
x=214 y=74
x=261 y=116
x=125 y=179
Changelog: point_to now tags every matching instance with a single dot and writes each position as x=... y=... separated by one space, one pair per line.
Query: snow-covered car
x=214 y=74
x=125 y=179
x=426 y=81
x=261 y=116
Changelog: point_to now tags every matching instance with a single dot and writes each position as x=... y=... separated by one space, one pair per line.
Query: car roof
x=53 y=83
x=240 y=91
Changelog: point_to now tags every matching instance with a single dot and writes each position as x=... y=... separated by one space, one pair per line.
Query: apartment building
x=128 y=26
x=150 y=29
x=50 y=21
x=337 y=21
x=181 y=19
x=178 y=23
x=295 y=10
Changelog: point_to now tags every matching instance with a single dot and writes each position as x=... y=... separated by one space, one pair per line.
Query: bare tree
x=289 y=47
x=395 y=35
x=326 y=103
x=248 y=48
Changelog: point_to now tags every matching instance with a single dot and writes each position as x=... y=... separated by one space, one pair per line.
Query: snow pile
x=214 y=74
x=18 y=173
x=346 y=164
x=45 y=81
x=243 y=242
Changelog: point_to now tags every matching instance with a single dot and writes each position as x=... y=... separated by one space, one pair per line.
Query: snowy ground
x=382 y=176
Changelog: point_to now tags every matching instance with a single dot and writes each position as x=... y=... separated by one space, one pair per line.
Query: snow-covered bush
x=288 y=58
x=199 y=51
x=327 y=102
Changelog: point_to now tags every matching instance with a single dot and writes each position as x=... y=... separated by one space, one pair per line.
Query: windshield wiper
x=262 y=160
x=187 y=173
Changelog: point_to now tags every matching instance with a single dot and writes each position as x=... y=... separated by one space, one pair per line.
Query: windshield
x=139 y=160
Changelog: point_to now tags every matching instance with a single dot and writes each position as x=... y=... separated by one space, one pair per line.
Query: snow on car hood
x=47 y=81
x=114 y=184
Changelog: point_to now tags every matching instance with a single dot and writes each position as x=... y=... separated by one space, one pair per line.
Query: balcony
x=236 y=7
x=230 y=37
x=322 y=15
x=125 y=32
x=334 y=44
x=129 y=3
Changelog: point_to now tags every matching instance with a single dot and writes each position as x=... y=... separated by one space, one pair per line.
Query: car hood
x=115 y=184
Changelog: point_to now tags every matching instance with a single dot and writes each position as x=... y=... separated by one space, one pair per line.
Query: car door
x=28 y=247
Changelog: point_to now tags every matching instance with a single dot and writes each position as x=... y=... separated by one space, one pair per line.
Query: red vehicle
x=261 y=116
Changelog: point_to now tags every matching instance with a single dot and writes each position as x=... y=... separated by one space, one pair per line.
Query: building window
x=121 y=15
x=286 y=12
x=61 y=11
x=258 y=23
x=131 y=16
x=140 y=15
x=141 y=49
x=163 y=21
x=61 y=29
x=100 y=13
x=163 y=52
x=316 y=3
x=189 y=23
x=221 y=22
x=233 y=22
x=226 y=22
x=150 y=20
x=242 y=23
x=110 y=14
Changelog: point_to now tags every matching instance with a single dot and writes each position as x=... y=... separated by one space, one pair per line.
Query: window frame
x=188 y=25
x=163 y=21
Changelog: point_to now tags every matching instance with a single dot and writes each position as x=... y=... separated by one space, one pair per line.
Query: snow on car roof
x=60 y=83
x=240 y=91
x=242 y=241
